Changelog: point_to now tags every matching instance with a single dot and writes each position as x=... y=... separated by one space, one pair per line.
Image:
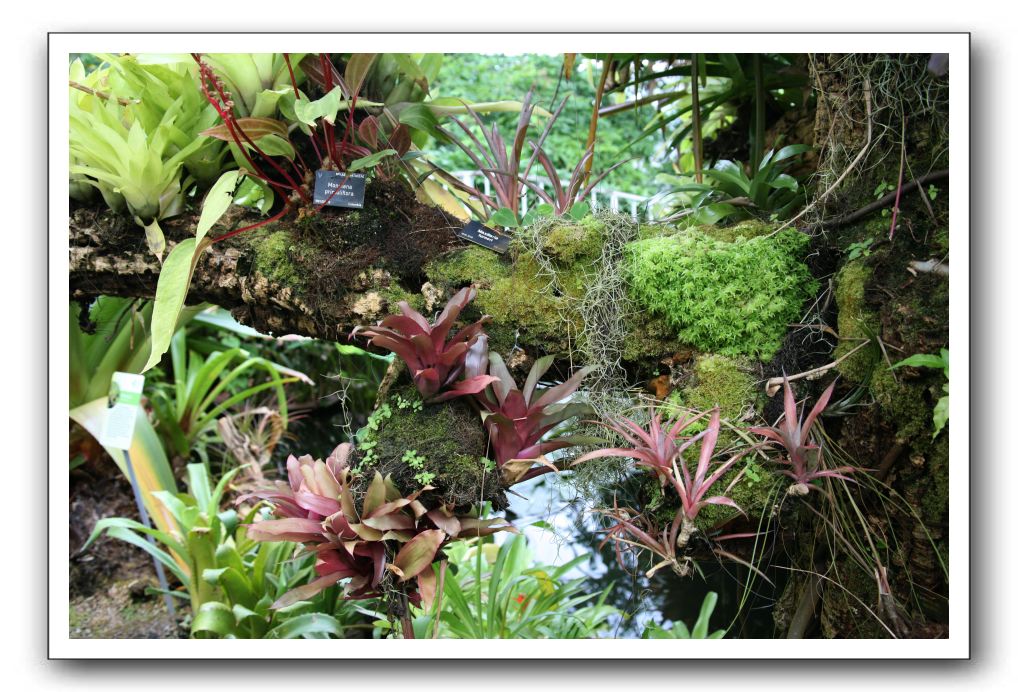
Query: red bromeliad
x=804 y=459
x=518 y=421
x=436 y=361
x=390 y=534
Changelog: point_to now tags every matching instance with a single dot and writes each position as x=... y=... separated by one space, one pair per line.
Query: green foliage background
x=494 y=77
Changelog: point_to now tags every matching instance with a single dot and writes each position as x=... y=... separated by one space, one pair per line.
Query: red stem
x=276 y=217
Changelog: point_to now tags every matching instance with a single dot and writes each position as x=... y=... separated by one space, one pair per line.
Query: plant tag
x=335 y=189
x=122 y=406
x=484 y=236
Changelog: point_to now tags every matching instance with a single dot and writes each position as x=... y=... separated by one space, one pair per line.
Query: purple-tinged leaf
x=418 y=554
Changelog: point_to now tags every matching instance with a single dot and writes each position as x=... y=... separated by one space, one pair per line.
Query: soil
x=109 y=581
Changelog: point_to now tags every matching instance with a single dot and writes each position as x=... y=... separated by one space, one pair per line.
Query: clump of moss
x=721 y=381
x=568 y=242
x=732 y=298
x=520 y=295
x=856 y=322
x=648 y=336
x=448 y=446
x=275 y=255
x=471 y=265
x=522 y=302
x=935 y=500
x=903 y=404
x=751 y=228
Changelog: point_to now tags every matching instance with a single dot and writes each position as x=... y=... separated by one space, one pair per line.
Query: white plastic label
x=122 y=408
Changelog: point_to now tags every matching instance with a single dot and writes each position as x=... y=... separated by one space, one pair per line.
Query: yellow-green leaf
x=217 y=201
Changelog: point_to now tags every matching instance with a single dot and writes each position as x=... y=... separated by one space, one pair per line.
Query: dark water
x=664 y=598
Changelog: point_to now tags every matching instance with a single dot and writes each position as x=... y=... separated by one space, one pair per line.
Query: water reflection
x=559 y=526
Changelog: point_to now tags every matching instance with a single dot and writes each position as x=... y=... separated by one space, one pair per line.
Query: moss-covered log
x=316 y=275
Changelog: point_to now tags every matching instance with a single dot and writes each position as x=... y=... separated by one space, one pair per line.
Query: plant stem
x=697 y=128
x=759 y=112
x=592 y=134
x=901 y=179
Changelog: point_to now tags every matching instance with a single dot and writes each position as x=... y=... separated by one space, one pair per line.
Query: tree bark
x=328 y=273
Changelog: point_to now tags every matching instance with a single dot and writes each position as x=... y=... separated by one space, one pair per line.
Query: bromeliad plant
x=508 y=179
x=803 y=458
x=518 y=422
x=230 y=580
x=136 y=165
x=383 y=549
x=568 y=199
x=203 y=389
x=499 y=165
x=202 y=537
x=498 y=592
x=655 y=448
x=660 y=450
x=732 y=194
x=436 y=361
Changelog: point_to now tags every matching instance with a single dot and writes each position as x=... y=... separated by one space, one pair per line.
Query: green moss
x=935 y=500
x=754 y=493
x=902 y=404
x=472 y=265
x=856 y=322
x=274 y=258
x=721 y=381
x=648 y=337
x=522 y=302
x=569 y=242
x=448 y=437
x=732 y=298
x=744 y=229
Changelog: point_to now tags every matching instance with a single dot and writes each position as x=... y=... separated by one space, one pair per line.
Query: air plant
x=518 y=421
x=655 y=448
x=632 y=532
x=659 y=450
x=390 y=536
x=803 y=458
x=435 y=360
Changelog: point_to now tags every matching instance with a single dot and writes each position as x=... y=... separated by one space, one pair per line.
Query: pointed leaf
x=414 y=557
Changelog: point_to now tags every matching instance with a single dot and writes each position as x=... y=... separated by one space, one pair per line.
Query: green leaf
x=171 y=290
x=217 y=201
x=253 y=194
x=922 y=360
x=309 y=623
x=940 y=414
x=370 y=161
x=703 y=621
x=276 y=146
x=504 y=217
x=579 y=211
x=419 y=117
x=214 y=617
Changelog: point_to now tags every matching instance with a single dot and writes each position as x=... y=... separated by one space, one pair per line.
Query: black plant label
x=335 y=189
x=484 y=236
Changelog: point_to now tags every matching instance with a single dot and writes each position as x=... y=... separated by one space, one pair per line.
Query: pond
x=559 y=526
